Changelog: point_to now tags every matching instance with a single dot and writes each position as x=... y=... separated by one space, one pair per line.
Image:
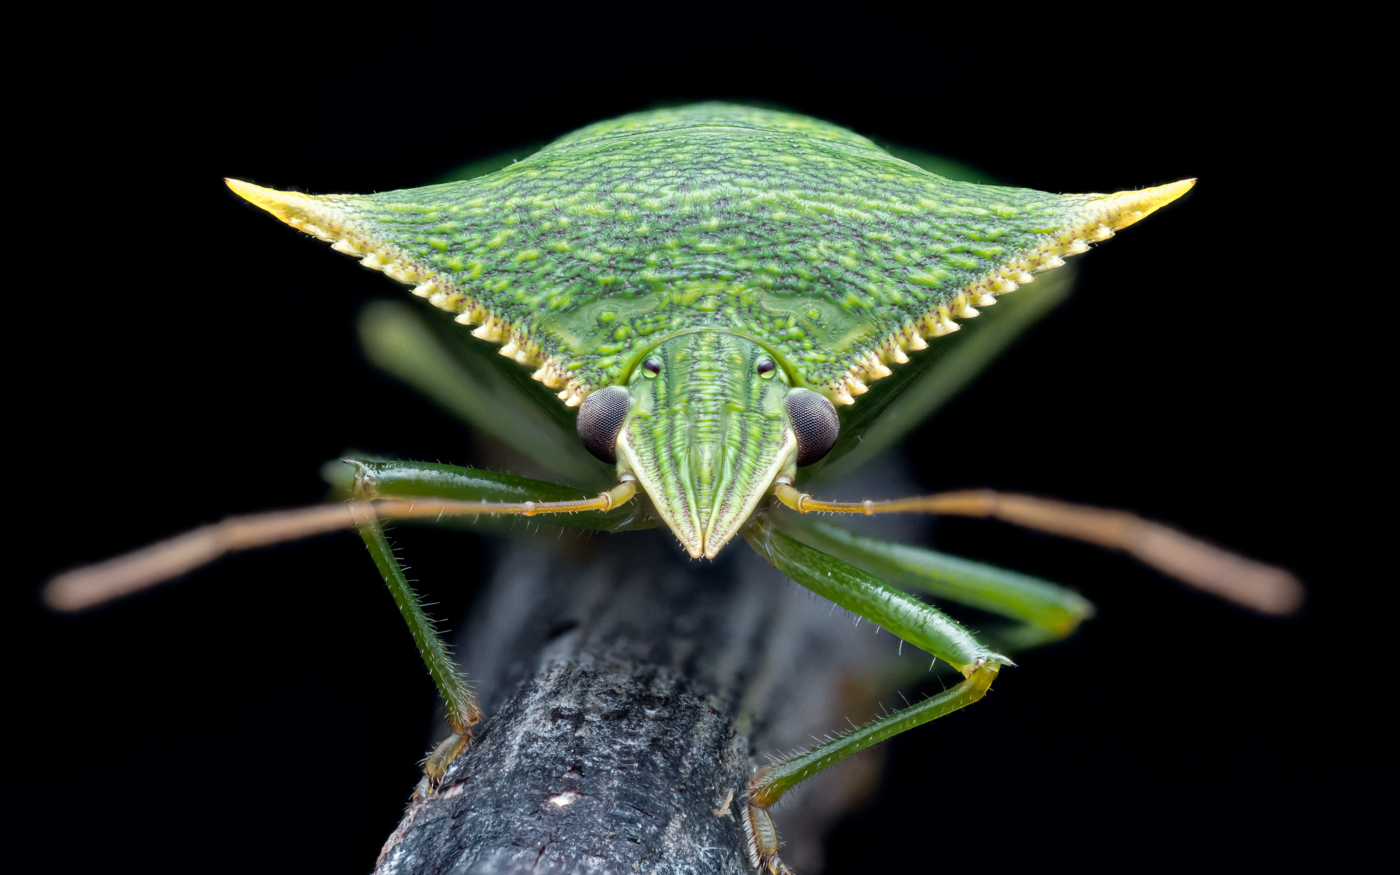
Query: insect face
x=707 y=433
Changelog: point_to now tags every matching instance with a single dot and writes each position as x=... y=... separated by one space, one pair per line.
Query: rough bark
x=628 y=690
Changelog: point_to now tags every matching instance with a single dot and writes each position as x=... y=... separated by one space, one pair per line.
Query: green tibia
x=706 y=434
x=829 y=251
x=923 y=626
x=771 y=782
x=462 y=709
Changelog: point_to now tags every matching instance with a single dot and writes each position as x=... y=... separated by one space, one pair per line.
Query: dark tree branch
x=627 y=689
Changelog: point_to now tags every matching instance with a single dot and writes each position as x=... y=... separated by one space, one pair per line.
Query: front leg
x=772 y=781
x=1040 y=611
x=382 y=490
x=915 y=622
x=463 y=712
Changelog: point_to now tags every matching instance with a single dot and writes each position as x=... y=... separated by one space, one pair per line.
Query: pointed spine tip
x=279 y=203
x=1125 y=208
x=321 y=216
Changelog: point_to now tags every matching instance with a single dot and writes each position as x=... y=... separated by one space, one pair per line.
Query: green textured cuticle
x=801 y=235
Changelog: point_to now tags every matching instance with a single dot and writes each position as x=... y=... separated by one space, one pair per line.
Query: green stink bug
x=713 y=288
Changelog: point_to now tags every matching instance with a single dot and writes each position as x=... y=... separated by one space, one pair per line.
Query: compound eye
x=600 y=421
x=766 y=368
x=814 y=422
x=651 y=367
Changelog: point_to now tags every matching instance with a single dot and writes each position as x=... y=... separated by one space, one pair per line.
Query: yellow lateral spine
x=1099 y=218
x=324 y=216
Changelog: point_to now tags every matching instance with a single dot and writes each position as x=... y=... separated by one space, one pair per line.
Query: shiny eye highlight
x=766 y=368
x=815 y=423
x=600 y=420
x=651 y=367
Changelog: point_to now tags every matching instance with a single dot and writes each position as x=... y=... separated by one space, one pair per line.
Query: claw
x=763 y=841
x=435 y=766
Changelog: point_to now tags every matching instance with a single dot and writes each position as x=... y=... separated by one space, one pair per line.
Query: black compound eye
x=651 y=367
x=815 y=424
x=600 y=420
x=766 y=367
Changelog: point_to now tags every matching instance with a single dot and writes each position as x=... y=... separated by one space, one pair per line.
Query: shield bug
x=724 y=300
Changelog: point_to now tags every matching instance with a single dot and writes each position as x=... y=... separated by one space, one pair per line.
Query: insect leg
x=462 y=708
x=771 y=781
x=85 y=587
x=921 y=625
x=1254 y=585
x=1042 y=611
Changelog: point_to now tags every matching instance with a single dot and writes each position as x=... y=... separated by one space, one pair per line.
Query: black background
x=178 y=356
